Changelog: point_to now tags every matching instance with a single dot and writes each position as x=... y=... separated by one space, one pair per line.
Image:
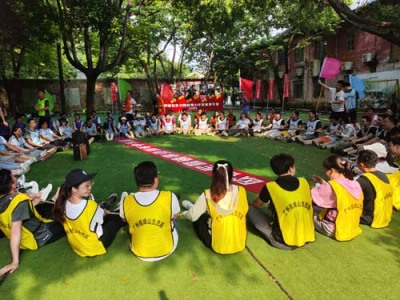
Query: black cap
x=76 y=177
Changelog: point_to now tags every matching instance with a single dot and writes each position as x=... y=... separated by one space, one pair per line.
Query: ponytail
x=59 y=206
x=221 y=178
x=340 y=164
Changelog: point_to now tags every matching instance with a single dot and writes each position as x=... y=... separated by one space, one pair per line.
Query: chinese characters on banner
x=286 y=91
x=258 y=89
x=271 y=84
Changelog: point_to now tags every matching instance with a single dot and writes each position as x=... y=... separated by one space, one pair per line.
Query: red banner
x=246 y=86
x=166 y=102
x=271 y=90
x=258 y=89
x=286 y=91
x=114 y=96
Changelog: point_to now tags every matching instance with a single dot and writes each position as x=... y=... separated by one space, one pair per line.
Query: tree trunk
x=90 y=92
x=61 y=79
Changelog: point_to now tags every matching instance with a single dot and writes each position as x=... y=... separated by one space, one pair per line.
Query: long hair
x=59 y=206
x=339 y=164
x=221 y=178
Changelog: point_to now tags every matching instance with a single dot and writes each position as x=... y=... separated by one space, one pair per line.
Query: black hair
x=145 y=173
x=14 y=128
x=5 y=181
x=281 y=163
x=368 y=158
x=295 y=111
x=342 y=82
x=30 y=120
x=340 y=164
x=367 y=118
x=346 y=83
x=391 y=118
x=395 y=140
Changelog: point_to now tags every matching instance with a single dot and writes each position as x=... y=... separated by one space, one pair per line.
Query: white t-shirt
x=72 y=211
x=337 y=96
x=203 y=124
x=222 y=124
x=243 y=123
x=147 y=198
x=185 y=125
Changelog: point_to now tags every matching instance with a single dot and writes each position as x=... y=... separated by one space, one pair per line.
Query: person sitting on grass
x=25 y=225
x=32 y=137
x=185 y=125
x=339 y=202
x=202 y=126
x=50 y=136
x=139 y=124
x=219 y=214
x=18 y=141
x=231 y=119
x=154 y=125
x=378 y=193
x=151 y=215
x=367 y=132
x=291 y=223
x=109 y=127
x=168 y=125
x=65 y=130
x=292 y=126
x=90 y=228
x=242 y=126
x=345 y=133
x=91 y=129
x=124 y=129
x=273 y=130
x=312 y=129
x=394 y=155
x=221 y=124
x=257 y=129
x=331 y=133
x=77 y=123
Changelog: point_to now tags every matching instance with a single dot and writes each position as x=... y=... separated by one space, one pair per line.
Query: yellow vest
x=295 y=213
x=349 y=210
x=82 y=240
x=383 y=205
x=228 y=232
x=42 y=104
x=395 y=183
x=28 y=240
x=150 y=226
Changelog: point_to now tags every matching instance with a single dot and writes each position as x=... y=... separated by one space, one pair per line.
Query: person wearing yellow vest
x=378 y=193
x=338 y=202
x=290 y=223
x=150 y=214
x=394 y=155
x=90 y=227
x=219 y=214
x=43 y=107
x=25 y=225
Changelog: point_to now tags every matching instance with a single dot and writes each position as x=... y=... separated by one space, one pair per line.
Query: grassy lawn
x=366 y=268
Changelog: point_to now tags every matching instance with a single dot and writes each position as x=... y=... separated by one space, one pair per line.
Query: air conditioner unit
x=347 y=65
x=315 y=67
x=367 y=57
x=299 y=72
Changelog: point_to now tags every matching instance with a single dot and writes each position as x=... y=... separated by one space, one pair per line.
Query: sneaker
x=46 y=191
x=110 y=202
x=187 y=204
x=237 y=134
x=21 y=181
x=31 y=187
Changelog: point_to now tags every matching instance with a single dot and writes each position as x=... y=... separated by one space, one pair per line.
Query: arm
x=3 y=117
x=15 y=240
x=257 y=203
x=325 y=86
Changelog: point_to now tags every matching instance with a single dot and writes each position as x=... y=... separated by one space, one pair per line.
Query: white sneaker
x=46 y=191
x=21 y=181
x=187 y=204
x=31 y=187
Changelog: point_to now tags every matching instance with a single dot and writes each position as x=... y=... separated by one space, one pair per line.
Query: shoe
x=21 y=181
x=224 y=133
x=187 y=204
x=237 y=134
x=46 y=192
x=110 y=202
x=31 y=187
x=123 y=195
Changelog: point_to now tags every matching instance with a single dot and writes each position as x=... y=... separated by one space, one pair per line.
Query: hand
x=319 y=81
x=5 y=123
x=317 y=179
x=9 y=269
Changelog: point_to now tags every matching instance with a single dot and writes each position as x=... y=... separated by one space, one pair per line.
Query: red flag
x=246 y=86
x=286 y=91
x=166 y=92
x=271 y=94
x=113 y=92
x=330 y=68
x=258 y=89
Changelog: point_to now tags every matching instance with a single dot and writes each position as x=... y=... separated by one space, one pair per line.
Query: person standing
x=151 y=215
x=337 y=99
x=130 y=106
x=43 y=107
x=351 y=101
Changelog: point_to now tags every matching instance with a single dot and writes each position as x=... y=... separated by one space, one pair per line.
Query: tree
x=94 y=36
x=380 y=17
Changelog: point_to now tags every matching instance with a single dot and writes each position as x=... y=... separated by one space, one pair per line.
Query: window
x=350 y=37
x=298 y=89
x=299 y=55
x=319 y=50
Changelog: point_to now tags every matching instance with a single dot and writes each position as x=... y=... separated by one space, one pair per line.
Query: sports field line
x=250 y=182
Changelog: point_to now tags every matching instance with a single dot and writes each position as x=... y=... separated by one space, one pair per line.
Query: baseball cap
x=378 y=148
x=76 y=177
x=123 y=118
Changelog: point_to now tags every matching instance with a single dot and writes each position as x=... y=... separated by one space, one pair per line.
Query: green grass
x=365 y=268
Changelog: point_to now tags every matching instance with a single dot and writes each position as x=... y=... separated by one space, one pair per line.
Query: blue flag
x=359 y=85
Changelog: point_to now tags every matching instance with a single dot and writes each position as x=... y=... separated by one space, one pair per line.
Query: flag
x=166 y=92
x=114 y=92
x=258 y=89
x=123 y=87
x=246 y=86
x=271 y=94
x=330 y=68
x=286 y=90
x=359 y=85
